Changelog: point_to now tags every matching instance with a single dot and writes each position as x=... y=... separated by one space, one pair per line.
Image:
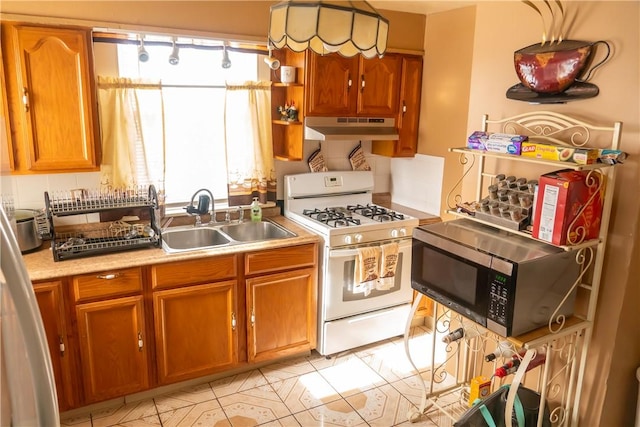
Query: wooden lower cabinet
x=113 y=349
x=281 y=313
x=52 y=310
x=196 y=330
x=282 y=293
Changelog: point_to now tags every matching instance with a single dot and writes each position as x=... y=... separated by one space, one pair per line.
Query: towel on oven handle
x=366 y=270
x=388 y=263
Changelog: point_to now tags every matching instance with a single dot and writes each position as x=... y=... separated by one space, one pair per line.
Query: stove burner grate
x=375 y=212
x=333 y=217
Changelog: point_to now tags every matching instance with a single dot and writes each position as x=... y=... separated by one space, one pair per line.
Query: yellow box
x=480 y=389
x=580 y=156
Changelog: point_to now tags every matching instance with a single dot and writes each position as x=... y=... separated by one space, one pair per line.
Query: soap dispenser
x=256 y=211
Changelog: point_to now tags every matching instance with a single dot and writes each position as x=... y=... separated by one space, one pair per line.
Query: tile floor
x=373 y=385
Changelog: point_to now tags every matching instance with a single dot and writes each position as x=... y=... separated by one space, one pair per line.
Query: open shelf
x=523 y=233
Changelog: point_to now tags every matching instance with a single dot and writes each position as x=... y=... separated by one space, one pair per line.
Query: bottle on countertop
x=256 y=210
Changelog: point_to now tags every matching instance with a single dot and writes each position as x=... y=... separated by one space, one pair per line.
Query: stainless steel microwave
x=505 y=282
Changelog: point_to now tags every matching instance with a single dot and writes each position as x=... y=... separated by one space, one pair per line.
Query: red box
x=562 y=196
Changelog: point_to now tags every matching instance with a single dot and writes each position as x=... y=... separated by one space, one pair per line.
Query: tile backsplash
x=28 y=190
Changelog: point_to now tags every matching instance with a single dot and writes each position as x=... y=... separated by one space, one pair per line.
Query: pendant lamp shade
x=346 y=27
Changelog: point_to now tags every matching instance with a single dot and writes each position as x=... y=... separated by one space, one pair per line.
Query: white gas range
x=338 y=206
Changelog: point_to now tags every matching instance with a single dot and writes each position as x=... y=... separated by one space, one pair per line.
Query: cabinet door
x=112 y=347
x=6 y=144
x=195 y=330
x=408 y=119
x=378 y=86
x=281 y=313
x=54 y=99
x=331 y=85
x=51 y=304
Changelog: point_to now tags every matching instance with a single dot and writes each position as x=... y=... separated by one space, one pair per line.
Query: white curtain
x=133 y=136
x=248 y=143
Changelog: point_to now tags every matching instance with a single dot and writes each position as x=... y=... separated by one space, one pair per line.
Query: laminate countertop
x=424 y=218
x=41 y=266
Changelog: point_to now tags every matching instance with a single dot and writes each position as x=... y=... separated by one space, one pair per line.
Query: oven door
x=342 y=298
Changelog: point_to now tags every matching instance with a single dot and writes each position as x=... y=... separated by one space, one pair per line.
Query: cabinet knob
x=233 y=321
x=140 y=342
x=253 y=318
x=61 y=345
x=25 y=99
x=404 y=107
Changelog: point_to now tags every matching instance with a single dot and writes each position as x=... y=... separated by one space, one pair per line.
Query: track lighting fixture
x=226 y=63
x=174 y=58
x=272 y=62
x=143 y=55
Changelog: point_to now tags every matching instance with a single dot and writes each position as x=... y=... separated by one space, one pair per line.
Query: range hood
x=350 y=129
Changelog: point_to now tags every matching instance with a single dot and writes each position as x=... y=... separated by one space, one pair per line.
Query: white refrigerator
x=27 y=393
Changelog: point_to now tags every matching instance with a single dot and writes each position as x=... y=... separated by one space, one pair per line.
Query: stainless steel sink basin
x=189 y=238
x=254 y=231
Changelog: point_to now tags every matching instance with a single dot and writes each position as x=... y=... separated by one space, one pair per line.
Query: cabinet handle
x=404 y=107
x=253 y=318
x=25 y=99
x=140 y=342
x=362 y=84
x=61 y=346
x=349 y=83
x=109 y=276
x=233 y=321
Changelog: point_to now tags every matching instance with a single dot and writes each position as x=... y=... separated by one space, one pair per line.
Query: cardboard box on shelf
x=581 y=156
x=564 y=196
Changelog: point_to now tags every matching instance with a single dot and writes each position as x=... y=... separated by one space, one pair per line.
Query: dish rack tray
x=104 y=237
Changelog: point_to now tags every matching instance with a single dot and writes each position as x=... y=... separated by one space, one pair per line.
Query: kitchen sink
x=254 y=231
x=188 y=238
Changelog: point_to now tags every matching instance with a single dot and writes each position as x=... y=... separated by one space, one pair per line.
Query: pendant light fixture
x=346 y=27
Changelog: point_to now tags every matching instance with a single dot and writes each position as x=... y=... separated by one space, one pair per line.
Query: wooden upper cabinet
x=331 y=81
x=378 y=85
x=408 y=118
x=339 y=86
x=52 y=97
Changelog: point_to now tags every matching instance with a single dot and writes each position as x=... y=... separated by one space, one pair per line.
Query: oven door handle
x=346 y=253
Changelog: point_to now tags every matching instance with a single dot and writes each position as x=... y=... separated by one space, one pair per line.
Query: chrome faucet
x=203 y=207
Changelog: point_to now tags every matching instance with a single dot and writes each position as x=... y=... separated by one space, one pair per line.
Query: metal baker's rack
x=105 y=237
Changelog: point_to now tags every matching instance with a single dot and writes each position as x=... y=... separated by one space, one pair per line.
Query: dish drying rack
x=106 y=237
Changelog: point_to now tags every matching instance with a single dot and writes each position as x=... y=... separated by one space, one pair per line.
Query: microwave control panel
x=499 y=286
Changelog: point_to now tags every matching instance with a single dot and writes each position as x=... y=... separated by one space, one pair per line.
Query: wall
x=445 y=89
x=610 y=388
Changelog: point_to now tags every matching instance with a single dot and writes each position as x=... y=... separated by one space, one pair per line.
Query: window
x=193 y=92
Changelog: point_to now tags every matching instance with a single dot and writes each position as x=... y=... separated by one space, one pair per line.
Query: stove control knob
x=398 y=233
x=358 y=238
x=347 y=240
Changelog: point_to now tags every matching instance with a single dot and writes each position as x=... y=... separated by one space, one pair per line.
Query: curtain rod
x=119 y=40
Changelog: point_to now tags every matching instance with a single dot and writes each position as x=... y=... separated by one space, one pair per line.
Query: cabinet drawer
x=193 y=272
x=107 y=284
x=281 y=259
